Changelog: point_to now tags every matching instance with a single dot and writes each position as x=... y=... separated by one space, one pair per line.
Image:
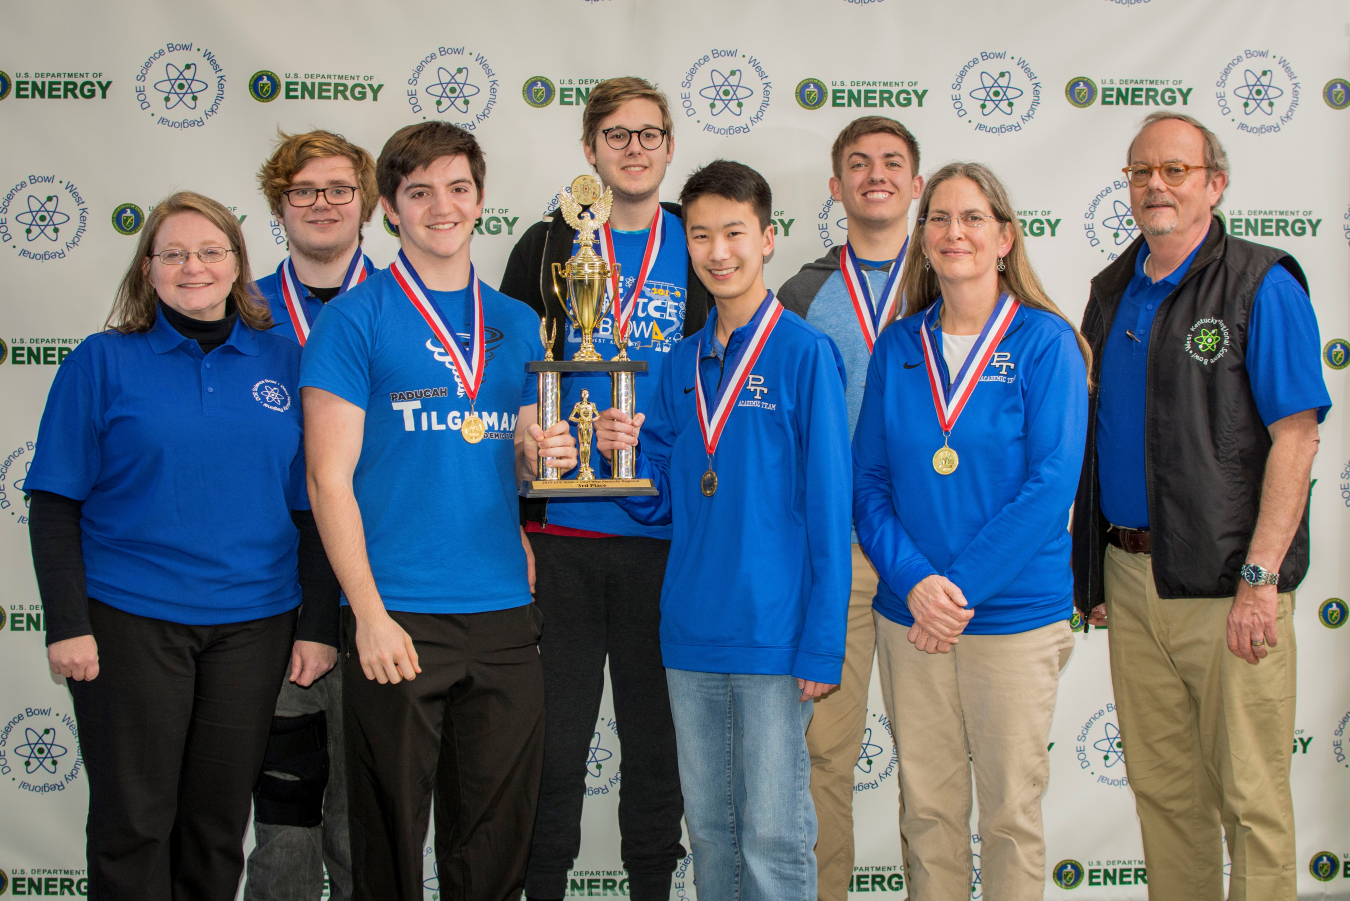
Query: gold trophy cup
x=586 y=301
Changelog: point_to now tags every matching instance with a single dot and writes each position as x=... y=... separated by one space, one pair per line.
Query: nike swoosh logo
x=912 y=365
x=690 y=388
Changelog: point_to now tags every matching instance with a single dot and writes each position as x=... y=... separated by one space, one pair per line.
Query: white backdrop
x=106 y=108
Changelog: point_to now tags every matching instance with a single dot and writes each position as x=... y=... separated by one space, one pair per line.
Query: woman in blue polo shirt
x=167 y=467
x=966 y=458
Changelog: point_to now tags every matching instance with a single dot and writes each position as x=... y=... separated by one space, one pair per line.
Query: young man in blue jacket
x=746 y=437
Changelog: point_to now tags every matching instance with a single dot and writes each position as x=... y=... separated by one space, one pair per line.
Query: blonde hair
x=133 y=310
x=295 y=152
x=613 y=93
x=919 y=283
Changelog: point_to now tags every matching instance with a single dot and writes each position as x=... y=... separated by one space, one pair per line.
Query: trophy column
x=624 y=397
x=549 y=415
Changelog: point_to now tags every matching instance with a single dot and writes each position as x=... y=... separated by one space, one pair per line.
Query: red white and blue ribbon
x=761 y=325
x=293 y=295
x=872 y=316
x=950 y=400
x=470 y=370
x=625 y=305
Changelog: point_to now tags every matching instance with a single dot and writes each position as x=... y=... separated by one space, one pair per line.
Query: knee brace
x=289 y=790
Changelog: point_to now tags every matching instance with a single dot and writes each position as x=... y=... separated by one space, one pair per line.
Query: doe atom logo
x=181 y=86
x=727 y=92
x=43 y=218
x=455 y=84
x=1258 y=91
x=878 y=757
x=997 y=92
x=1108 y=222
x=40 y=751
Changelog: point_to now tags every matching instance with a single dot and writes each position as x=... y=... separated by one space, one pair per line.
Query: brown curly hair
x=294 y=152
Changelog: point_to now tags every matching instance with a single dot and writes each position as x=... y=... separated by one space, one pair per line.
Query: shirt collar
x=737 y=335
x=1174 y=278
x=164 y=337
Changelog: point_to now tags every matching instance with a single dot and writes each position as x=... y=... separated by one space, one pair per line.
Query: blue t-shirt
x=1283 y=364
x=188 y=465
x=657 y=325
x=440 y=515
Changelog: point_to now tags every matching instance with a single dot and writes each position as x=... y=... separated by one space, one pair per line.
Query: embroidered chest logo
x=272 y=395
x=1207 y=340
x=755 y=385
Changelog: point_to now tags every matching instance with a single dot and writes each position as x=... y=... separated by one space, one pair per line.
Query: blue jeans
x=746 y=776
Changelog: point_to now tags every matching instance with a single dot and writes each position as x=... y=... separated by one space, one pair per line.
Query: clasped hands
x=940 y=614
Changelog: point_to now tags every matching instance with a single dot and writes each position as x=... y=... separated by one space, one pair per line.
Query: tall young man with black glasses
x=599 y=572
x=321 y=188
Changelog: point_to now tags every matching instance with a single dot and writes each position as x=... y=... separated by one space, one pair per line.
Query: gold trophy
x=586 y=301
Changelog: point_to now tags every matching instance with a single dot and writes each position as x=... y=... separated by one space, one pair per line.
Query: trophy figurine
x=588 y=298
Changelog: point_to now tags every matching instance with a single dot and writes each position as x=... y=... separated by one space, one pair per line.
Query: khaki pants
x=992 y=697
x=1208 y=740
x=834 y=739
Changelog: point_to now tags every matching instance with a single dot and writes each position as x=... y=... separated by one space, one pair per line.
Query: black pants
x=468 y=730
x=602 y=596
x=173 y=731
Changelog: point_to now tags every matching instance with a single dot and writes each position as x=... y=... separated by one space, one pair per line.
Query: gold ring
x=1258 y=643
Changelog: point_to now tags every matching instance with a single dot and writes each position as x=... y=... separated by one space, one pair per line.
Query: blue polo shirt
x=188 y=465
x=269 y=286
x=1283 y=363
x=657 y=325
x=441 y=516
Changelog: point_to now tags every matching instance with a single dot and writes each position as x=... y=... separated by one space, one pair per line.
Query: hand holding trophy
x=589 y=296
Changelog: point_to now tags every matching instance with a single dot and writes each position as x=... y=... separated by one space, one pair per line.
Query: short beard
x=1156 y=231
x=321 y=255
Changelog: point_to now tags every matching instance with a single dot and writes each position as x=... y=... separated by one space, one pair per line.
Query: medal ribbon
x=871 y=317
x=471 y=370
x=951 y=400
x=765 y=318
x=626 y=306
x=294 y=297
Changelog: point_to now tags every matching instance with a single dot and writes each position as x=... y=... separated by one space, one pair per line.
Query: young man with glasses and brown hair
x=850 y=294
x=421 y=420
x=600 y=572
x=321 y=188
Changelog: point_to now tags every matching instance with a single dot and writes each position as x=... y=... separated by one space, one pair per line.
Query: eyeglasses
x=968 y=220
x=207 y=255
x=619 y=137
x=336 y=195
x=1172 y=173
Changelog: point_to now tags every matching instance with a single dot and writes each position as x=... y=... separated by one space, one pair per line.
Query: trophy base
x=588 y=488
x=586 y=366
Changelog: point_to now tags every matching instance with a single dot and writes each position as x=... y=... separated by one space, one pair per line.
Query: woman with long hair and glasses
x=966 y=459
x=168 y=465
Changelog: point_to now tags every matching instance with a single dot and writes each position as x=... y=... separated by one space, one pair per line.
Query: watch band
x=1256 y=575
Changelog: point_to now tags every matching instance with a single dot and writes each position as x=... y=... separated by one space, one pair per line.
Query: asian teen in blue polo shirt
x=746 y=436
x=415 y=386
x=167 y=485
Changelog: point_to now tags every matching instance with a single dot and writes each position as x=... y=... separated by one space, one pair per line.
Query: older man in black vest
x=1191 y=524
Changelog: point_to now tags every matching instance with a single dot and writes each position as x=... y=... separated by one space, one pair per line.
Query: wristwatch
x=1257 y=576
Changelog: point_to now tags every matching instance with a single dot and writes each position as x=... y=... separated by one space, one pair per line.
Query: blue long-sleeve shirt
x=998 y=525
x=759 y=574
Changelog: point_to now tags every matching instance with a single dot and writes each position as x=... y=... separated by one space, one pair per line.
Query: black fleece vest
x=1205 y=445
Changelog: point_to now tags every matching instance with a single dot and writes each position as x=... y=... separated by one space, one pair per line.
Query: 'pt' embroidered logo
x=1207 y=340
x=272 y=395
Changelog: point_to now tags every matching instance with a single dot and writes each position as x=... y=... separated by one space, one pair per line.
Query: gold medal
x=586 y=189
x=472 y=429
x=709 y=483
x=945 y=461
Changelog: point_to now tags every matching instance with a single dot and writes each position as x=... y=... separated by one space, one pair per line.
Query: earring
x=1001 y=266
x=925 y=264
